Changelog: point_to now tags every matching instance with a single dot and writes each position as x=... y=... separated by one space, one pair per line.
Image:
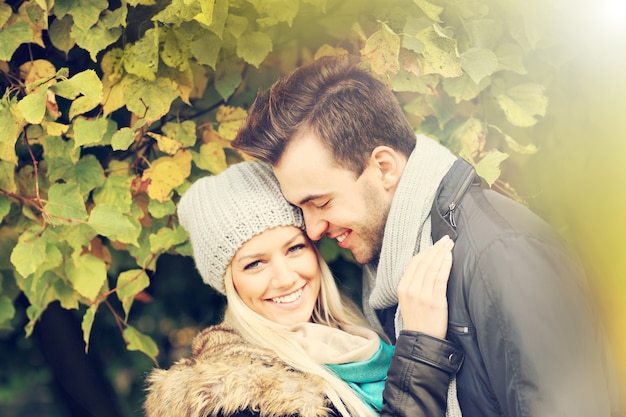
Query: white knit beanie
x=224 y=211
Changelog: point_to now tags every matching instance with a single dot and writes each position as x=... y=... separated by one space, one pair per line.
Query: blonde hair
x=332 y=309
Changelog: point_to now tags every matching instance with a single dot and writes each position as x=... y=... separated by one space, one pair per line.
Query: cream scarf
x=333 y=346
x=407 y=231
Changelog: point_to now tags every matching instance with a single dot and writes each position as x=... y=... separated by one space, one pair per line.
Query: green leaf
x=96 y=38
x=123 y=138
x=220 y=14
x=132 y=236
x=443 y=108
x=158 y=209
x=65 y=204
x=483 y=33
x=463 y=88
x=522 y=103
x=129 y=284
x=227 y=78
x=489 y=166
x=236 y=25
x=206 y=12
x=87 y=275
x=412 y=27
x=178 y=11
x=87 y=173
x=5 y=206
x=82 y=105
x=89 y=84
x=529 y=149
x=405 y=80
x=253 y=47
x=142 y=57
x=165 y=238
x=89 y=131
x=7 y=312
x=33 y=106
x=175 y=51
x=11 y=37
x=108 y=220
x=510 y=57
x=87 y=324
x=66 y=89
x=149 y=100
x=68 y=298
x=115 y=192
x=140 y=342
x=85 y=12
x=440 y=53
x=431 y=10
x=60 y=34
x=78 y=237
x=479 y=63
x=205 y=48
x=27 y=256
x=184 y=132
x=10 y=119
x=5 y=14
x=276 y=11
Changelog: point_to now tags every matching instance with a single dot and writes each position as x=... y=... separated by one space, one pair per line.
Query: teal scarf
x=367 y=378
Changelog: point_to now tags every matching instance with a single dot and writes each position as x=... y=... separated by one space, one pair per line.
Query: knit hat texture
x=224 y=211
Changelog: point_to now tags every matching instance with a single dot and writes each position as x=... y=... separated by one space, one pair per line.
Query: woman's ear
x=390 y=164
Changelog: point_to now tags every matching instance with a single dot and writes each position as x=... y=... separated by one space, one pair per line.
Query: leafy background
x=110 y=110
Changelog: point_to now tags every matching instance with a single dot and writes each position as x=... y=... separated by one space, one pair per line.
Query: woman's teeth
x=288 y=298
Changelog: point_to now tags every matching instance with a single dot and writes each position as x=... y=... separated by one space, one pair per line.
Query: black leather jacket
x=419 y=374
x=518 y=307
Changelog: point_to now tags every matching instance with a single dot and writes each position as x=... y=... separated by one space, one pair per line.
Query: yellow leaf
x=328 y=50
x=200 y=80
x=164 y=176
x=431 y=10
x=381 y=51
x=54 y=128
x=229 y=114
x=32 y=71
x=113 y=95
x=211 y=158
x=7 y=153
x=166 y=144
x=230 y=119
x=183 y=159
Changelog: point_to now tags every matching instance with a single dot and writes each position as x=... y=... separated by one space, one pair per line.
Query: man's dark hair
x=348 y=109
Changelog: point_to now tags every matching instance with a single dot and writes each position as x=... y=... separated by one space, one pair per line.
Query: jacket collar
x=450 y=192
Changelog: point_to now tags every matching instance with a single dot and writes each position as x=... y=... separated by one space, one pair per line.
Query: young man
x=345 y=154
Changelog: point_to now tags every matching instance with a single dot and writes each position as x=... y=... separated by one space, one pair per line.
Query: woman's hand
x=422 y=290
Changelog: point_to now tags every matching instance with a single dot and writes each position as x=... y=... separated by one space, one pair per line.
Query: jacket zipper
x=457 y=197
x=460 y=329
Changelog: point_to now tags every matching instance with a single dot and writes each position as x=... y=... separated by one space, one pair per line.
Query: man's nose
x=316 y=227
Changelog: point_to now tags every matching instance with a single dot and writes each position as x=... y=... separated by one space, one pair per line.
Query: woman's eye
x=296 y=248
x=252 y=265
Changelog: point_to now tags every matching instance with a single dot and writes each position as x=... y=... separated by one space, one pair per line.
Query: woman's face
x=276 y=274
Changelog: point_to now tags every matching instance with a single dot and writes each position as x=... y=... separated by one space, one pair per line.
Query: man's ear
x=390 y=164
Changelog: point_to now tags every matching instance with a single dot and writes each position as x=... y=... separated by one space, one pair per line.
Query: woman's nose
x=283 y=275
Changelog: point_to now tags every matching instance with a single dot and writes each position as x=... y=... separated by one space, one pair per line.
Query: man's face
x=334 y=202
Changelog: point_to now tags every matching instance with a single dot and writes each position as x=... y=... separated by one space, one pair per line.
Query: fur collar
x=226 y=374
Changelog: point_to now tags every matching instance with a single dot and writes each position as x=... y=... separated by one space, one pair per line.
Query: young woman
x=290 y=344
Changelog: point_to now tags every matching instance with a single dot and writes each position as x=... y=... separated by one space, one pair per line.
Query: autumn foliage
x=109 y=110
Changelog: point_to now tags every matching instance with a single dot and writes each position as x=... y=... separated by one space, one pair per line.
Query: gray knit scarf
x=407 y=231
